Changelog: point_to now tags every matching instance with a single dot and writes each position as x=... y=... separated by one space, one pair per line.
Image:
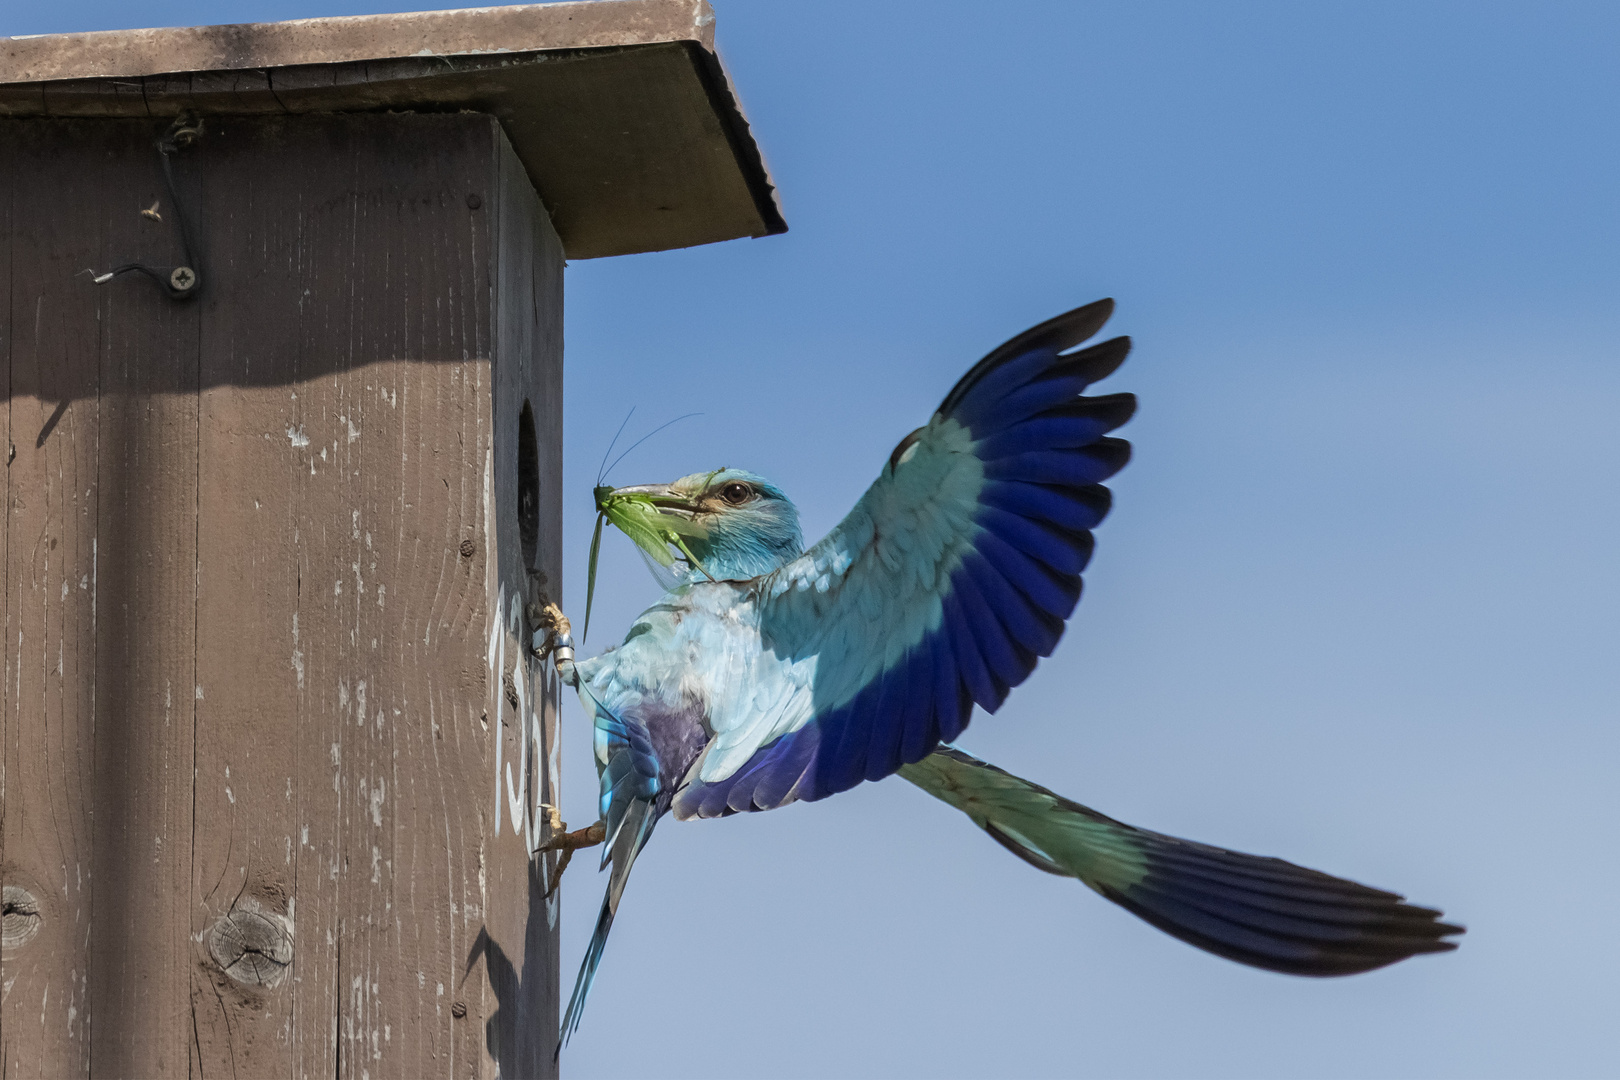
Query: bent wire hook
x=185 y=281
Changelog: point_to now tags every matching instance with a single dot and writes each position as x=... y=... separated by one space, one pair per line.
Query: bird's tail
x=626 y=844
x=1259 y=911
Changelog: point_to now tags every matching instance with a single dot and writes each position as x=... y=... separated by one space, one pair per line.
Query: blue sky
x=1356 y=605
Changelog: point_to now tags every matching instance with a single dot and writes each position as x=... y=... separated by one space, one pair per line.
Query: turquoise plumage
x=770 y=674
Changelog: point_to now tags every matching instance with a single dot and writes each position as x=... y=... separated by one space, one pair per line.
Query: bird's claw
x=562 y=840
x=579 y=838
x=553 y=637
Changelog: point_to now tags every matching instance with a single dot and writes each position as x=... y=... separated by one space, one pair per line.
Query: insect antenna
x=602 y=473
x=644 y=438
x=603 y=469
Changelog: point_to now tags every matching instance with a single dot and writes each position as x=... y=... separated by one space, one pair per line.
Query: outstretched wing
x=946 y=582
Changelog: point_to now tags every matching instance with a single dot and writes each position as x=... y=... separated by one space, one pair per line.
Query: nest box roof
x=620 y=110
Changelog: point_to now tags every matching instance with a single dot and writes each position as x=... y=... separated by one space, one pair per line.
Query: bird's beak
x=664 y=498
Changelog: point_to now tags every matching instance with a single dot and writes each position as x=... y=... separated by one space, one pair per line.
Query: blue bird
x=770 y=674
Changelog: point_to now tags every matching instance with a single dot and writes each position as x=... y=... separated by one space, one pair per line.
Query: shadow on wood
x=511 y=1036
x=266 y=556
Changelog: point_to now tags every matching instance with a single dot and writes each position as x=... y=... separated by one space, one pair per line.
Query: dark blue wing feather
x=1073 y=509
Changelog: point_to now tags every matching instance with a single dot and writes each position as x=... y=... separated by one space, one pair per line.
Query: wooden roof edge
x=750 y=158
x=581 y=24
x=424 y=60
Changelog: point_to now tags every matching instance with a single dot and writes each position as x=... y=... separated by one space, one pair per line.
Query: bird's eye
x=736 y=493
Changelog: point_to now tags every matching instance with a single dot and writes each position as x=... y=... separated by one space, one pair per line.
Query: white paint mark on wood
x=514 y=801
x=497 y=663
x=483 y=887
x=297 y=653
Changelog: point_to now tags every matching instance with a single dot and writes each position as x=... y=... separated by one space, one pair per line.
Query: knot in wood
x=21 y=919
x=253 y=947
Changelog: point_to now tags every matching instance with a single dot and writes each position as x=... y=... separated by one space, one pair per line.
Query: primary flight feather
x=771 y=674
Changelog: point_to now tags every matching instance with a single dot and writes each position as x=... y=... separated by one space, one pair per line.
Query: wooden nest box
x=280 y=493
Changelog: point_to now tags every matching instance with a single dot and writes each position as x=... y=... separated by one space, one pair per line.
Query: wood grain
x=52 y=581
x=293 y=719
x=146 y=677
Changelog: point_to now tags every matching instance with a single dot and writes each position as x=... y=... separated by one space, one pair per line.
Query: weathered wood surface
x=265 y=591
x=621 y=110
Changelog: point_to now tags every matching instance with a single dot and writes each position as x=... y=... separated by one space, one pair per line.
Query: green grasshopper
x=635 y=514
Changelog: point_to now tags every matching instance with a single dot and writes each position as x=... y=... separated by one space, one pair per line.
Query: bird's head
x=735 y=523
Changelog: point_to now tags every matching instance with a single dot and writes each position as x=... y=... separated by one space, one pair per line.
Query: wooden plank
x=390 y=692
x=52 y=510
x=18 y=918
x=120 y=97
x=520 y=952
x=22 y=99
x=259 y=243
x=350 y=408
x=147 y=686
x=98 y=609
x=355 y=38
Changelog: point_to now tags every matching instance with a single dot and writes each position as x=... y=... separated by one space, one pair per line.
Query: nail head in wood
x=468 y=549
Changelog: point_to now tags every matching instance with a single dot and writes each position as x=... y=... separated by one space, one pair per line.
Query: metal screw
x=458 y=1010
x=468 y=548
x=474 y=202
x=182 y=278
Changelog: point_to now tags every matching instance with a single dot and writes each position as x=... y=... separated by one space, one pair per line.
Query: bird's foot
x=553 y=637
x=579 y=838
x=562 y=840
x=547 y=616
